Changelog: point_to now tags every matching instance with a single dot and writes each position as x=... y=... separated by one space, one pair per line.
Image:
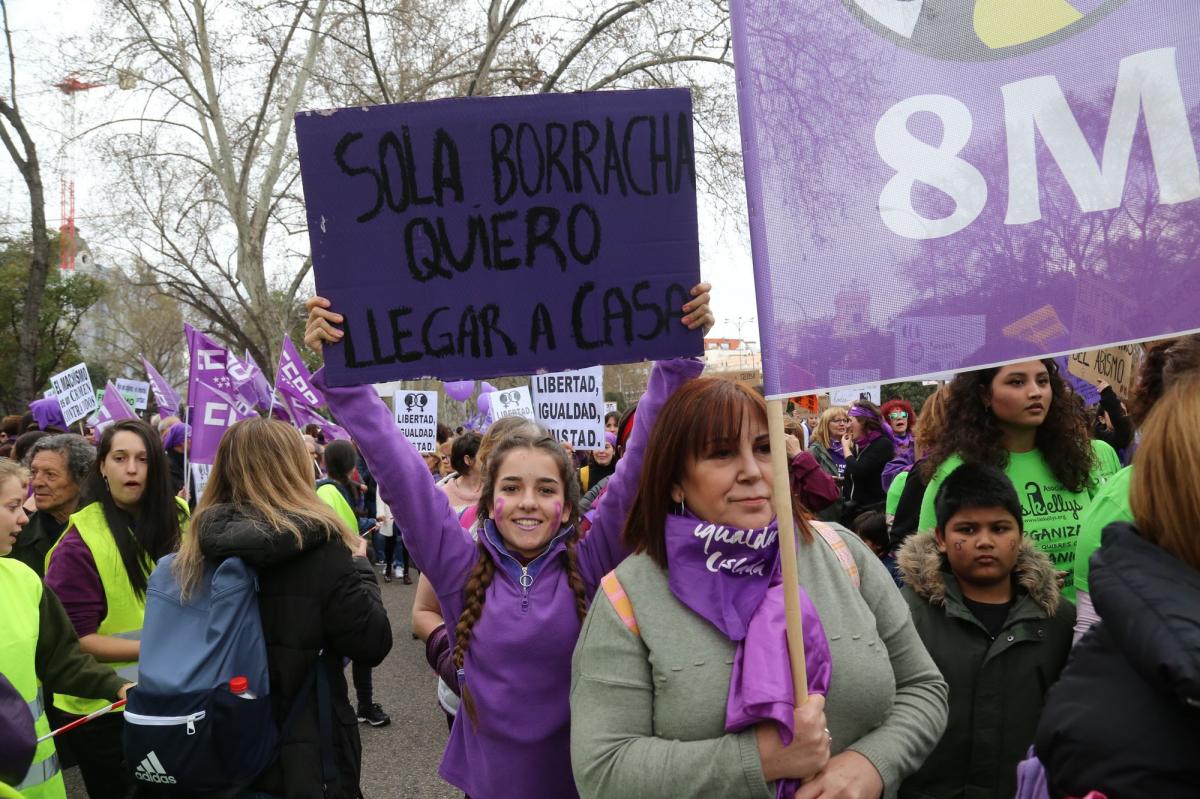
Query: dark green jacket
x=997 y=685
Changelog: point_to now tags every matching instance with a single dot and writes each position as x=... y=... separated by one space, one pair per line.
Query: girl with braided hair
x=514 y=600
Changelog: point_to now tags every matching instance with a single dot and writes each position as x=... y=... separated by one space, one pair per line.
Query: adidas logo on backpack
x=151 y=770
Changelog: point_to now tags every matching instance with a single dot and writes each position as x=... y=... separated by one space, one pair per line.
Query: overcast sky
x=42 y=30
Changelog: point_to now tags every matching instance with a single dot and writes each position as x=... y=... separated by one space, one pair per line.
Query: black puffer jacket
x=1124 y=719
x=313 y=597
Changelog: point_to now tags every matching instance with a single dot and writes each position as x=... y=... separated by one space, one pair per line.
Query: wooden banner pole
x=787 y=548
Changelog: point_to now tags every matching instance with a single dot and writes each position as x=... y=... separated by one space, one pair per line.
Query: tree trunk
x=28 y=337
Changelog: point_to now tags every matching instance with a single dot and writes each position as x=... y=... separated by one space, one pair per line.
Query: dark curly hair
x=973 y=432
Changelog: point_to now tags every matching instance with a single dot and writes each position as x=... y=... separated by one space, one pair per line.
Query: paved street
x=399 y=760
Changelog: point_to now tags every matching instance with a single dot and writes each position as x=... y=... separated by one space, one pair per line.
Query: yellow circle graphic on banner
x=983 y=30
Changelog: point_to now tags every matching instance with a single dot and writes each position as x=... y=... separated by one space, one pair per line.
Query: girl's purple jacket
x=518 y=667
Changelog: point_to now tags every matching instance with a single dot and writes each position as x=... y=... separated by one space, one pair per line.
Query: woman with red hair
x=899 y=418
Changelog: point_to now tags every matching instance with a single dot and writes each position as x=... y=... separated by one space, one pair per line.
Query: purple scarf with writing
x=732 y=579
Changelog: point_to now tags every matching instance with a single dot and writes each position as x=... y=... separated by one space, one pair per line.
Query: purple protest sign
x=1015 y=179
x=113 y=408
x=503 y=235
x=207 y=361
x=213 y=413
x=165 y=397
x=293 y=378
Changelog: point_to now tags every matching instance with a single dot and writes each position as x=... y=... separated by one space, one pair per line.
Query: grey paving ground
x=399 y=760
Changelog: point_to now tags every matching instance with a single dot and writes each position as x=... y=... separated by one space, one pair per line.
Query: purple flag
x=293 y=378
x=302 y=416
x=165 y=396
x=261 y=386
x=113 y=408
x=207 y=364
x=936 y=186
x=214 y=413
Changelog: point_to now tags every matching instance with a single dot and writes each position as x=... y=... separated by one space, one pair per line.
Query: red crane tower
x=70 y=86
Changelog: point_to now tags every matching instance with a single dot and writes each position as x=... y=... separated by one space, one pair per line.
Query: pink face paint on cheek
x=499 y=507
x=557 y=510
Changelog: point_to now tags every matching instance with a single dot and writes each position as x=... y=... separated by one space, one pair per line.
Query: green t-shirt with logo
x=1052 y=515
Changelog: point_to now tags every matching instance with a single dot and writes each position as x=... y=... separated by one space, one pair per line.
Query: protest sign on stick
x=75 y=394
x=417 y=416
x=503 y=235
x=948 y=161
x=571 y=406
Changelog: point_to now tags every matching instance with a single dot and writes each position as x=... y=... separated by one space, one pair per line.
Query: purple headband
x=611 y=438
x=863 y=413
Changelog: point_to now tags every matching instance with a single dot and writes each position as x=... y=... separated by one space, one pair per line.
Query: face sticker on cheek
x=958 y=544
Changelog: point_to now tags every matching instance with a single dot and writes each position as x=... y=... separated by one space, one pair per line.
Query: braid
x=573 y=578
x=473 y=594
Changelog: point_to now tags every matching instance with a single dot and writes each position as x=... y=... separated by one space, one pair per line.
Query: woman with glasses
x=825 y=444
x=898 y=413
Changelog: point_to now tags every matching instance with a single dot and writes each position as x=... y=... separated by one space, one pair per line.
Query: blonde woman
x=318 y=594
x=826 y=446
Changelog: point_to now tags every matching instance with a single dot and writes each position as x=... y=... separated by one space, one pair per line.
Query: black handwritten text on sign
x=503 y=235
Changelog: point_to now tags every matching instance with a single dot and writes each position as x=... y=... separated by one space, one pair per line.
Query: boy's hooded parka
x=1125 y=717
x=312 y=596
x=997 y=685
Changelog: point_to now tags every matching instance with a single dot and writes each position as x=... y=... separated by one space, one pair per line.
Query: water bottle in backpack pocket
x=186 y=727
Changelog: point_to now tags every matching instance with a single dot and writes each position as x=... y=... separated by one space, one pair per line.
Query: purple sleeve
x=602 y=550
x=73 y=577
x=439 y=546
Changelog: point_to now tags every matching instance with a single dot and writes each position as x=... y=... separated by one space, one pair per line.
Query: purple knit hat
x=176 y=435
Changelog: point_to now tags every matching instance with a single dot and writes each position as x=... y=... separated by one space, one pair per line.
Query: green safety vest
x=20 y=621
x=125 y=609
x=334 y=499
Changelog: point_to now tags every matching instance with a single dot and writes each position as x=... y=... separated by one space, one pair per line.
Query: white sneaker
x=398 y=573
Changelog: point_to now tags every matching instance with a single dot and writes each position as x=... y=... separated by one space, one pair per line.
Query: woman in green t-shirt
x=1164 y=364
x=1024 y=419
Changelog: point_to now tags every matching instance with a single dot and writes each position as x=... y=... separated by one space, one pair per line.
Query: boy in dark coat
x=988 y=607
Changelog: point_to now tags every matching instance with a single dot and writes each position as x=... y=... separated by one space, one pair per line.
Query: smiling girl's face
x=529 y=506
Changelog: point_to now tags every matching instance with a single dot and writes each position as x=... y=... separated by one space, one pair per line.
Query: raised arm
x=601 y=551
x=437 y=543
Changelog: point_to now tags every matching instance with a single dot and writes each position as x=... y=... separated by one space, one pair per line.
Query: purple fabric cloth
x=47 y=412
x=760 y=686
x=215 y=413
x=207 y=363
x=18 y=740
x=1031 y=778
x=73 y=577
x=860 y=412
x=519 y=664
x=721 y=574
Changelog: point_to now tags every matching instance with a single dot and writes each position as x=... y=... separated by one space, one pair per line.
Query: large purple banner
x=943 y=184
x=503 y=235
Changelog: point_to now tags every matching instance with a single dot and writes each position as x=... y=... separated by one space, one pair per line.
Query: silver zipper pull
x=526 y=581
x=191 y=726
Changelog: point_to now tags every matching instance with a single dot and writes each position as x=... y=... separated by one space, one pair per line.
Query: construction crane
x=69 y=86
